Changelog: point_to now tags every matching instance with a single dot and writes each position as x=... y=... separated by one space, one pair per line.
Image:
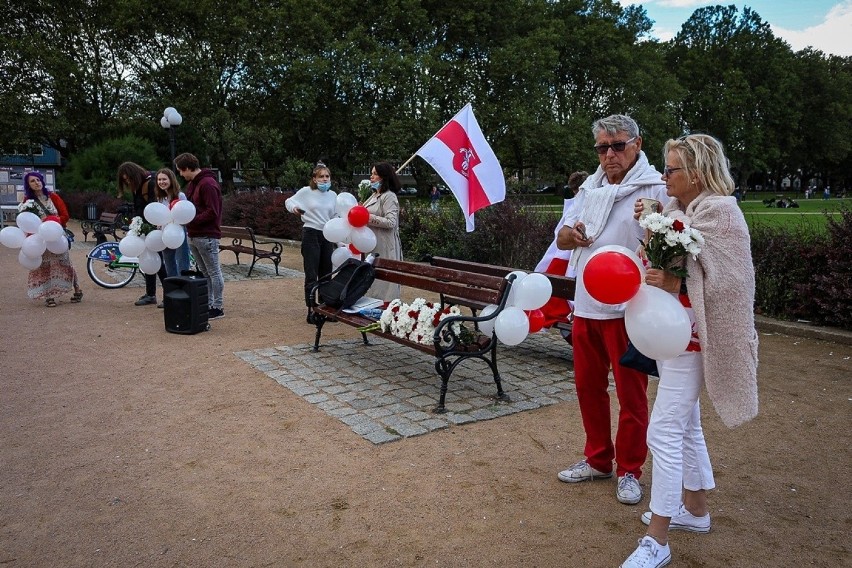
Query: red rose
x=678 y=225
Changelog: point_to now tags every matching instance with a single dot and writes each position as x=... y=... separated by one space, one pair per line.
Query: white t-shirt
x=318 y=206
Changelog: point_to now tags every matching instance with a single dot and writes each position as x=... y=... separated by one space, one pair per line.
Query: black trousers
x=151 y=279
x=316 y=254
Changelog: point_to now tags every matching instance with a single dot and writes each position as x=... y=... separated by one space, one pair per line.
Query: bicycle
x=109 y=269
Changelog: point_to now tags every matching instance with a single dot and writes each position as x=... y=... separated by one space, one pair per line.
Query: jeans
x=206 y=253
x=151 y=279
x=316 y=254
x=675 y=437
x=177 y=260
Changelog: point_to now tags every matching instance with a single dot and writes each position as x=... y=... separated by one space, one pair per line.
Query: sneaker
x=582 y=471
x=684 y=521
x=628 y=491
x=146 y=301
x=649 y=554
x=215 y=313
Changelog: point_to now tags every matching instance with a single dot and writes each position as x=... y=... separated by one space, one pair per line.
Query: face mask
x=324 y=186
x=375 y=185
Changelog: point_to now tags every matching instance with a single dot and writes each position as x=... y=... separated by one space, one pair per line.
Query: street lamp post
x=171 y=119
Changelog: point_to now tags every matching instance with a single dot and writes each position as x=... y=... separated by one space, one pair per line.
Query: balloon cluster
x=657 y=324
x=522 y=314
x=349 y=229
x=34 y=236
x=145 y=248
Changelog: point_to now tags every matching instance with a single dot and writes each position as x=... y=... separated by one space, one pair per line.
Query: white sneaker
x=684 y=521
x=581 y=471
x=628 y=491
x=649 y=554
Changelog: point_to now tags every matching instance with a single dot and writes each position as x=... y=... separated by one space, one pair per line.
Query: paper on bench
x=364 y=303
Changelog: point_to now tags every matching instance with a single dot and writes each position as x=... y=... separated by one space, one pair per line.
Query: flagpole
x=408 y=161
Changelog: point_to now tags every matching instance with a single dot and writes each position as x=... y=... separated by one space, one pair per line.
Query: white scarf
x=599 y=195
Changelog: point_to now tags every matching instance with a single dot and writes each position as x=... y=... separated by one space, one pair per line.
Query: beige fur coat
x=721 y=289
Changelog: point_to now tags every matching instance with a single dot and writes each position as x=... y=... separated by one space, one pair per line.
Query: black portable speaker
x=185 y=304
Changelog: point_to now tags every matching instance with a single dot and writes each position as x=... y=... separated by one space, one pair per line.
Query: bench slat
x=563 y=287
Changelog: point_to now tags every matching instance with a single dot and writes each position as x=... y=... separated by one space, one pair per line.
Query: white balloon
x=29 y=262
x=513 y=293
x=623 y=250
x=28 y=222
x=345 y=202
x=337 y=229
x=12 y=237
x=149 y=262
x=657 y=323
x=339 y=256
x=157 y=213
x=183 y=212
x=363 y=238
x=131 y=245
x=512 y=326
x=173 y=235
x=51 y=231
x=34 y=246
x=487 y=327
x=533 y=292
x=154 y=241
x=59 y=246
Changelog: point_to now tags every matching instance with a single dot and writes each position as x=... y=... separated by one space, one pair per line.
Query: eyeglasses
x=602 y=149
x=667 y=171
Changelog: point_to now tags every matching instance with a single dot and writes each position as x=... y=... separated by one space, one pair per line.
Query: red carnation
x=678 y=225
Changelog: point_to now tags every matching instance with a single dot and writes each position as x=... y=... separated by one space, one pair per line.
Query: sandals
x=50 y=303
x=77 y=297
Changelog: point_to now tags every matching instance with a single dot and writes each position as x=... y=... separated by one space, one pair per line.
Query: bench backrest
x=237 y=233
x=563 y=287
x=483 y=288
x=108 y=218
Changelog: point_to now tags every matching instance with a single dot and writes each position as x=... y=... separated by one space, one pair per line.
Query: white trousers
x=675 y=438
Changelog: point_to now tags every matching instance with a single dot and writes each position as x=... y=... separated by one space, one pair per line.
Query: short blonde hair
x=703 y=157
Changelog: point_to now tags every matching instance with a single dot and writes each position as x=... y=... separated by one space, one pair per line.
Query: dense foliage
x=271 y=86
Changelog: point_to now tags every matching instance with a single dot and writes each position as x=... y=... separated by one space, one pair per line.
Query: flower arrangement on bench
x=417 y=321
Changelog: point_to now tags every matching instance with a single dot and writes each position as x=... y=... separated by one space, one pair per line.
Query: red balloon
x=611 y=277
x=358 y=216
x=172 y=204
x=53 y=218
x=536 y=318
x=353 y=250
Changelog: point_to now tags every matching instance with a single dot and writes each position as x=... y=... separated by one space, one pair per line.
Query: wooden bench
x=106 y=224
x=244 y=241
x=563 y=287
x=447 y=347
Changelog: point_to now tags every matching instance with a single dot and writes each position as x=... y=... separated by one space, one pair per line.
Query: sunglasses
x=667 y=171
x=602 y=149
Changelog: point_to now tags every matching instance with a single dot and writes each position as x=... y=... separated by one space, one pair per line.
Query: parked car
x=408 y=191
x=443 y=189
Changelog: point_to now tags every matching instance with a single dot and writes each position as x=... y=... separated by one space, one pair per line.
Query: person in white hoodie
x=315 y=204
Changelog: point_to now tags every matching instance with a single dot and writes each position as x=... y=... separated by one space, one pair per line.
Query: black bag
x=633 y=359
x=350 y=282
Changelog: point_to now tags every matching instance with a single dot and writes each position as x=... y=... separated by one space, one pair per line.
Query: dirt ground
x=124 y=445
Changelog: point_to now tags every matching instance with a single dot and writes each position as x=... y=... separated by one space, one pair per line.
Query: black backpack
x=348 y=285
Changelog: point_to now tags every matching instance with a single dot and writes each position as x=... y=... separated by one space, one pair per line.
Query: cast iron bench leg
x=320 y=321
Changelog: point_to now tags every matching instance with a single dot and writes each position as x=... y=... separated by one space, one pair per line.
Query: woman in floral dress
x=56 y=275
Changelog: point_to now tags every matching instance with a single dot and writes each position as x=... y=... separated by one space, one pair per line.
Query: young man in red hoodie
x=205 y=230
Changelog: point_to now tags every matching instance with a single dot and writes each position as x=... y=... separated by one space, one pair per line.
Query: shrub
x=95 y=168
x=77 y=202
x=264 y=212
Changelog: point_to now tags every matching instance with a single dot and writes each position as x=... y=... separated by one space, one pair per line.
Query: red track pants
x=597 y=345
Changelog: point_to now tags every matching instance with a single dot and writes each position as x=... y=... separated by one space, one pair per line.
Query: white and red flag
x=464 y=160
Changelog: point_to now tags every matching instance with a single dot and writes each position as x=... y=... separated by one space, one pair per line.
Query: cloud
x=831 y=36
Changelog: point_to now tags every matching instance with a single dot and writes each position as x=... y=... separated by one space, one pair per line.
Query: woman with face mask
x=383 y=206
x=315 y=204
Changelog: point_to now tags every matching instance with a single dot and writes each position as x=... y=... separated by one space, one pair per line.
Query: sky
x=822 y=24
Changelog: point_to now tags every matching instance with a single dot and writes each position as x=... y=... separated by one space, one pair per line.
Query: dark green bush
x=263 y=212
x=802 y=273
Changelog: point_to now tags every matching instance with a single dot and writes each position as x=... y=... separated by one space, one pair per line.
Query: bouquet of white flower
x=415 y=321
x=669 y=241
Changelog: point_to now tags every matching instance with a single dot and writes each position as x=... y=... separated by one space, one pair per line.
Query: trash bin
x=91 y=212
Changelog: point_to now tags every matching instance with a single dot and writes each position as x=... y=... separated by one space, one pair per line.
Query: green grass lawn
x=811 y=213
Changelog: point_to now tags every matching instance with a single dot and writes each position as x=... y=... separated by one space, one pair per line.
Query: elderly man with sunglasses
x=603 y=215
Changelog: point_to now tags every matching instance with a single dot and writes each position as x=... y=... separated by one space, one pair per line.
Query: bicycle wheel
x=109 y=275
